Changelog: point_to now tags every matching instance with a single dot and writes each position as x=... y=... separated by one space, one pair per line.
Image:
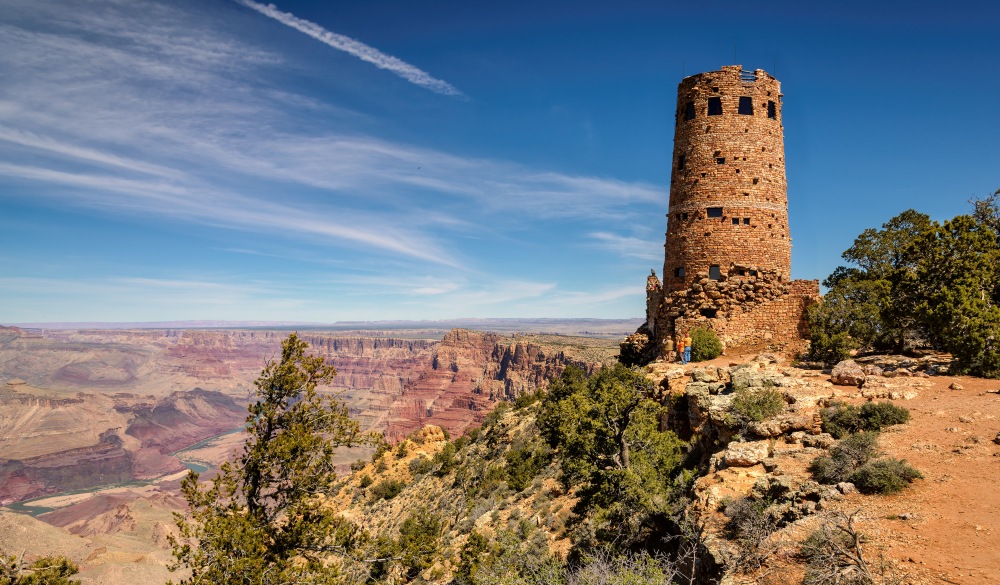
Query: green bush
x=845 y=458
x=841 y=419
x=884 y=476
x=358 y=465
x=523 y=464
x=757 y=404
x=705 y=345
x=444 y=459
x=387 y=489
x=366 y=480
x=420 y=465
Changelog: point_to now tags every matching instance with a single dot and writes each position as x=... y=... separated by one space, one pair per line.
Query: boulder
x=956 y=386
x=746 y=454
x=848 y=373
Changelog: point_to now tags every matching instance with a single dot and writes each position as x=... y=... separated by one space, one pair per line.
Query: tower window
x=714 y=273
x=714 y=106
x=714 y=212
x=681 y=160
x=684 y=216
x=746 y=105
x=721 y=160
x=709 y=313
x=736 y=221
x=679 y=272
x=772 y=111
x=689 y=111
x=746 y=221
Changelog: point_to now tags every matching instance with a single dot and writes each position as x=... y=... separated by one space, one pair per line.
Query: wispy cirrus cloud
x=355 y=48
x=629 y=246
x=103 y=114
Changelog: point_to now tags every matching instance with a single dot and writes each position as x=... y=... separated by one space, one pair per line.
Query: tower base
x=746 y=307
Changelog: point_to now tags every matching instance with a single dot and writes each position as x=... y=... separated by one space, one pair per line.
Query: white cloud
x=629 y=246
x=355 y=48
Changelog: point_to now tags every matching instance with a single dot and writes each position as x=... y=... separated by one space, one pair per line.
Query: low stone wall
x=745 y=306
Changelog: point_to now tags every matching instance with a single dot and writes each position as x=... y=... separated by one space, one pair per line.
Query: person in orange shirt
x=687 y=348
x=680 y=348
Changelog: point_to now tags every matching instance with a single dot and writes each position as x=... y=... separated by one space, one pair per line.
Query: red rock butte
x=727 y=261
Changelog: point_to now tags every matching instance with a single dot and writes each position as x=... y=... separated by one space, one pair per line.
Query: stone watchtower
x=727 y=260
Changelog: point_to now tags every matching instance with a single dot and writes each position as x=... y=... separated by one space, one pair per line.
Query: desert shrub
x=421 y=465
x=494 y=417
x=523 y=464
x=750 y=523
x=419 y=540
x=525 y=400
x=358 y=464
x=705 y=345
x=366 y=480
x=884 y=476
x=387 y=489
x=845 y=458
x=757 y=404
x=841 y=419
x=444 y=459
x=402 y=449
x=835 y=554
x=44 y=571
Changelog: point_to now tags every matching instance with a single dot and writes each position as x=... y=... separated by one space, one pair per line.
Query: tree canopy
x=918 y=282
x=262 y=519
x=607 y=431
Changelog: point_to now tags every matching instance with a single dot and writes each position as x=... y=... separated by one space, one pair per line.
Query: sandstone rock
x=848 y=373
x=846 y=487
x=997 y=439
x=956 y=386
x=781 y=424
x=821 y=441
x=746 y=454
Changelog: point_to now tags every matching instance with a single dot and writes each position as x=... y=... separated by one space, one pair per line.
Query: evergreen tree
x=607 y=431
x=262 y=520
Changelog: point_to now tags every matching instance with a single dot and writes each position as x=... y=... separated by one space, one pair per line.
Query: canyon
x=98 y=426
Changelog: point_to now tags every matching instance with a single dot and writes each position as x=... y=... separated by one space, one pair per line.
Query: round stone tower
x=728 y=212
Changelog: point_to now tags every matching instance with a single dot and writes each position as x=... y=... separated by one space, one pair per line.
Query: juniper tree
x=262 y=519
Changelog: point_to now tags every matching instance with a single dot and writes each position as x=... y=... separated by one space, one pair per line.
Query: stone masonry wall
x=728 y=194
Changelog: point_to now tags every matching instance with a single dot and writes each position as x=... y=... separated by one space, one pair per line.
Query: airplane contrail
x=356 y=48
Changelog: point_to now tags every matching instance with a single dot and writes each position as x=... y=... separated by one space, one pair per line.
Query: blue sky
x=325 y=161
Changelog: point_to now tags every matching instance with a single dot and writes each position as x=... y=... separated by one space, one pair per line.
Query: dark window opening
x=755 y=180
x=714 y=106
x=737 y=171
x=710 y=313
x=746 y=221
x=681 y=160
x=684 y=216
x=753 y=273
x=715 y=89
x=741 y=272
x=689 y=111
x=714 y=212
x=714 y=273
x=772 y=111
x=746 y=194
x=679 y=272
x=678 y=216
x=746 y=105
x=736 y=221
x=721 y=160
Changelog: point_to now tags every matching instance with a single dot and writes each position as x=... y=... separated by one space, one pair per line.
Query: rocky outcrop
x=470 y=372
x=104 y=463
